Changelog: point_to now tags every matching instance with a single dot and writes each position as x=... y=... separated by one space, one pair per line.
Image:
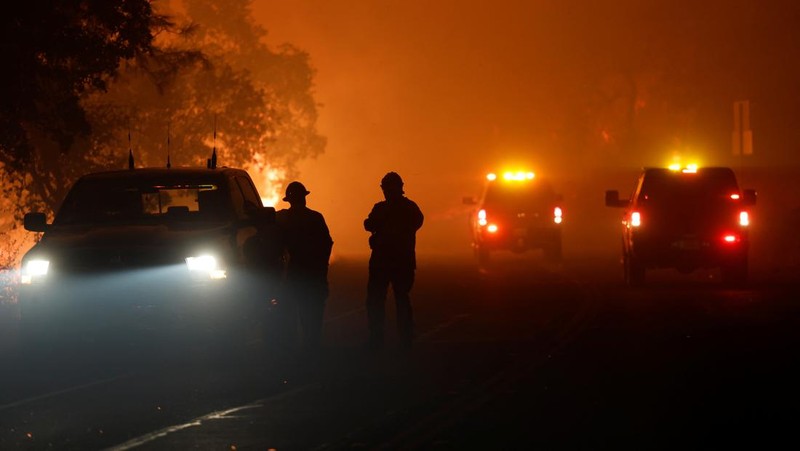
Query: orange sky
x=443 y=91
x=402 y=87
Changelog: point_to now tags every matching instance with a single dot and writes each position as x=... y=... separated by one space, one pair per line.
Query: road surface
x=522 y=354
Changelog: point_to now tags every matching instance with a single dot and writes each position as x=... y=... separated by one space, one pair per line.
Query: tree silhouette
x=92 y=73
x=53 y=53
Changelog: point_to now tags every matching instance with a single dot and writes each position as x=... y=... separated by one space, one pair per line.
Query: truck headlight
x=206 y=265
x=34 y=269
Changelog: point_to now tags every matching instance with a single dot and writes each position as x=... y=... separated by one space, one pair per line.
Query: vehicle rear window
x=519 y=196
x=674 y=186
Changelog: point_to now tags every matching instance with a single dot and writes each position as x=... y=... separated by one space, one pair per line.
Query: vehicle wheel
x=735 y=274
x=552 y=252
x=634 y=271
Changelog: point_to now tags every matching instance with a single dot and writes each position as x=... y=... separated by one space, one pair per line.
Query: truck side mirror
x=263 y=215
x=749 y=197
x=35 y=222
x=612 y=199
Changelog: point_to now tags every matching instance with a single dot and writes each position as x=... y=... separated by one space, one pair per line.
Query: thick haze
x=444 y=91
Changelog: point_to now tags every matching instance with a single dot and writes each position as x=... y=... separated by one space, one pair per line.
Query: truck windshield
x=101 y=202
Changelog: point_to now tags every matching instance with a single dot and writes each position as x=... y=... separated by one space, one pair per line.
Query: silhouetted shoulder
x=414 y=204
x=317 y=215
x=418 y=217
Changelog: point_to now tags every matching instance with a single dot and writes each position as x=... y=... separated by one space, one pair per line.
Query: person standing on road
x=393 y=224
x=307 y=245
x=263 y=256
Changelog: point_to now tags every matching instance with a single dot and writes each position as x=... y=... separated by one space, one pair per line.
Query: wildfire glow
x=269 y=181
x=270 y=192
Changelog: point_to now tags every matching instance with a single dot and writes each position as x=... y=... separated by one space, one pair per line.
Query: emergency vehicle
x=685 y=218
x=516 y=212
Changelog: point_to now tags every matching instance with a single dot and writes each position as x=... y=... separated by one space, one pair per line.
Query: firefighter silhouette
x=393 y=224
x=307 y=249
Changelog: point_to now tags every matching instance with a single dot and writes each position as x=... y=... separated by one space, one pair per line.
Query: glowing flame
x=273 y=181
x=269 y=180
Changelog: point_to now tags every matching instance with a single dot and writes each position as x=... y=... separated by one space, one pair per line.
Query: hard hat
x=392 y=179
x=295 y=189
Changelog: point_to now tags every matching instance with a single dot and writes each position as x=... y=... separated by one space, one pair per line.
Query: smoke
x=584 y=93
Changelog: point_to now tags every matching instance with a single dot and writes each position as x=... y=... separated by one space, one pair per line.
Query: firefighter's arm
x=325 y=238
x=417 y=217
x=375 y=219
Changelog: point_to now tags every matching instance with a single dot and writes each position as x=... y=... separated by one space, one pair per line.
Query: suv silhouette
x=685 y=219
x=125 y=243
x=516 y=212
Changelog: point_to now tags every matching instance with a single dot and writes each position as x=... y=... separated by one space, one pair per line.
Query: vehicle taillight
x=744 y=219
x=557 y=215
x=492 y=228
x=482 y=218
x=636 y=219
x=730 y=238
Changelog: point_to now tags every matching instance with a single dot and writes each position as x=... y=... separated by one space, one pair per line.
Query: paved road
x=522 y=354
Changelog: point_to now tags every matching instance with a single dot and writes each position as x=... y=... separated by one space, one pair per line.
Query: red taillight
x=731 y=238
x=636 y=219
x=744 y=218
x=492 y=228
x=558 y=215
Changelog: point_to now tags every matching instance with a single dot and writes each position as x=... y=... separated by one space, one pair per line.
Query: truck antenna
x=130 y=150
x=212 y=162
x=169 y=165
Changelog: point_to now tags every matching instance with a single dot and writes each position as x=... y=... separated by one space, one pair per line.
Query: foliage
x=94 y=78
x=211 y=83
x=54 y=52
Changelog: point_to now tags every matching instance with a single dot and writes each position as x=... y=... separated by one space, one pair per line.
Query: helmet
x=392 y=180
x=295 y=189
